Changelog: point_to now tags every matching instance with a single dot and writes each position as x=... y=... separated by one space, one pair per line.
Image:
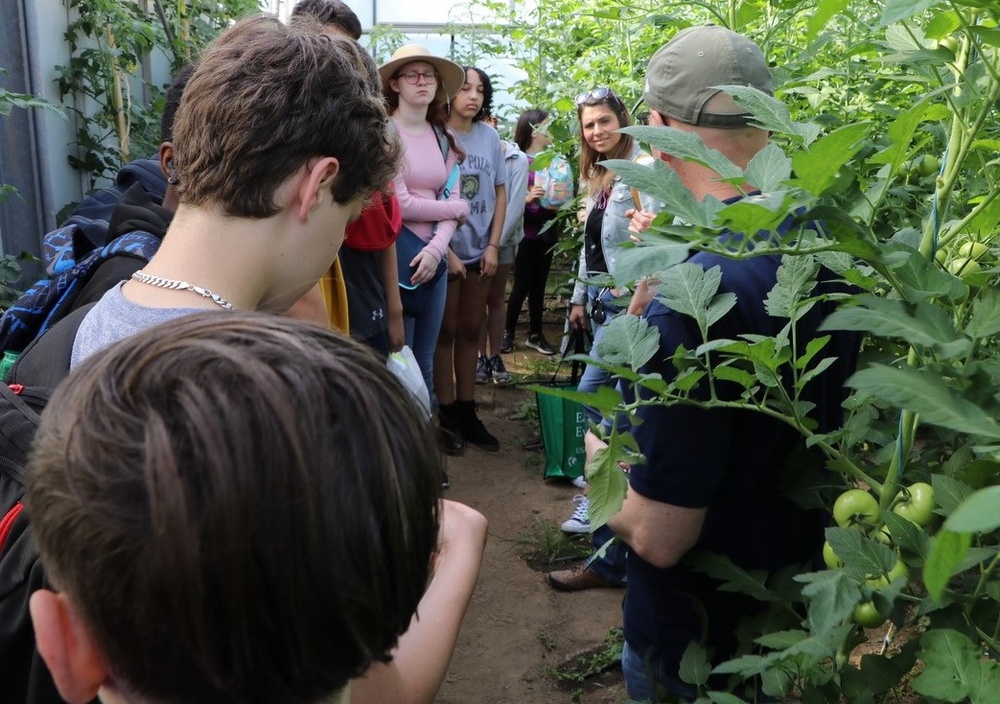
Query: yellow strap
x=335 y=298
x=635 y=191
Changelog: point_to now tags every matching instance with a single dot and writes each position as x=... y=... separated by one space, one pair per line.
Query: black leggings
x=531 y=270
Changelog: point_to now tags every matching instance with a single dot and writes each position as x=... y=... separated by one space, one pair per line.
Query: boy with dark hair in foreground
x=212 y=541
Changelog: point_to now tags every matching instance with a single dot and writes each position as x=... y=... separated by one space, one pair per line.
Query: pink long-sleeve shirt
x=418 y=184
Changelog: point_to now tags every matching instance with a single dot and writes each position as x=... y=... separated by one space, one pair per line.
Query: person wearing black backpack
x=260 y=217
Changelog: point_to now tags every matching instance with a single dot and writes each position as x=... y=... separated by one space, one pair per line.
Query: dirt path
x=517 y=627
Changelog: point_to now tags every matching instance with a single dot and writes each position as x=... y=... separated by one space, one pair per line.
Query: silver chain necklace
x=143 y=278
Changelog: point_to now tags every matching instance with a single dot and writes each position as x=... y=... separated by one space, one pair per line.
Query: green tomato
x=963 y=267
x=950 y=43
x=867 y=616
x=856 y=508
x=973 y=250
x=882 y=581
x=830 y=557
x=928 y=164
x=916 y=503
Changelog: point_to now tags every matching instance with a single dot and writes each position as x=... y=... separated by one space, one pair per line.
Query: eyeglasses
x=596 y=96
x=413 y=77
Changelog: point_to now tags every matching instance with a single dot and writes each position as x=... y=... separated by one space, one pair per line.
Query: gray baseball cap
x=682 y=75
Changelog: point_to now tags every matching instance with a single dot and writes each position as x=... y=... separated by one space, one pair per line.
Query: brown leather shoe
x=579 y=578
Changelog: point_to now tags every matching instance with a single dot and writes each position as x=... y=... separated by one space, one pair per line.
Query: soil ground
x=517 y=628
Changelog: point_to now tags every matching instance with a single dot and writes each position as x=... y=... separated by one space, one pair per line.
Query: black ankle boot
x=450 y=429
x=473 y=430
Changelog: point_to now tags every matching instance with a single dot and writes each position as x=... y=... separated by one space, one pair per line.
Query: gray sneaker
x=539 y=344
x=498 y=370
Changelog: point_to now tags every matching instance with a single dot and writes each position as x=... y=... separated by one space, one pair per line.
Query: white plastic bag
x=404 y=365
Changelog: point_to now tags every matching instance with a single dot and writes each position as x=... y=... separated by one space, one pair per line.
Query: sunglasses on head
x=596 y=96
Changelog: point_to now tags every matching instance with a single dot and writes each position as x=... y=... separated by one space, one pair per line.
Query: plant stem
x=117 y=100
x=185 y=23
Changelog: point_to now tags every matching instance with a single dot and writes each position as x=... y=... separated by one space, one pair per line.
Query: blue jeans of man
x=422 y=330
x=646 y=681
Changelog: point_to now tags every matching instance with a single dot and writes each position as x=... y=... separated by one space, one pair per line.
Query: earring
x=172 y=178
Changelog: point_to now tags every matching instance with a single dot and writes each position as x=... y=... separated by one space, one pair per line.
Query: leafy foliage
x=885 y=134
x=109 y=43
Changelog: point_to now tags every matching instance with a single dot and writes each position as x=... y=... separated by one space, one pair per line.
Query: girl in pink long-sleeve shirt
x=417 y=85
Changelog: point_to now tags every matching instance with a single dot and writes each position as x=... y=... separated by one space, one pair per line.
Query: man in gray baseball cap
x=710 y=478
x=683 y=76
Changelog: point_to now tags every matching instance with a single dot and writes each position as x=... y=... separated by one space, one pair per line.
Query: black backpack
x=82 y=264
x=24 y=676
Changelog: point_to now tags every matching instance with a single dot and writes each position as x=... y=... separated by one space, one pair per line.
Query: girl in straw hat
x=417 y=85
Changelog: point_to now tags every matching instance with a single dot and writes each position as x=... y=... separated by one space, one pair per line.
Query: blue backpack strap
x=49 y=300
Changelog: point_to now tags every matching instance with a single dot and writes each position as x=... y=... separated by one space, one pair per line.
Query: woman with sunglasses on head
x=472 y=263
x=417 y=86
x=609 y=206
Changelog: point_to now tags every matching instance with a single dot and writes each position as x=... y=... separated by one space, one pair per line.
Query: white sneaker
x=579 y=522
x=580 y=482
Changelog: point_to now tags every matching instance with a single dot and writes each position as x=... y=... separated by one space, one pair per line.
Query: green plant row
x=886 y=135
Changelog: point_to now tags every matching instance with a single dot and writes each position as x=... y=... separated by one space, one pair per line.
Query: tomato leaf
x=691 y=290
x=946 y=553
x=976 y=514
x=628 y=341
x=882 y=673
x=952 y=666
x=761 y=214
x=924 y=393
x=908 y=537
x=859 y=552
x=782 y=640
x=683 y=145
x=608 y=483
x=949 y=492
x=695 y=667
x=745 y=665
x=825 y=11
x=733 y=577
x=985 y=318
x=724 y=698
x=769 y=169
x=662 y=183
x=898 y=10
x=771 y=114
x=816 y=169
x=832 y=596
x=920 y=323
x=636 y=261
x=795 y=280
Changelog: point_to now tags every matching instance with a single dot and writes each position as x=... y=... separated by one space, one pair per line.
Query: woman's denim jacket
x=614 y=227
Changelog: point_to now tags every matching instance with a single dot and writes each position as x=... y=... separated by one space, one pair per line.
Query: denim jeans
x=644 y=681
x=594 y=377
x=422 y=332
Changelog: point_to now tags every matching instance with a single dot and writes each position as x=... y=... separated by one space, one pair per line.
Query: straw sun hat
x=451 y=76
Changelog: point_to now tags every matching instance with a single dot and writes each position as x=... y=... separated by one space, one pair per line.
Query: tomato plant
x=887 y=127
